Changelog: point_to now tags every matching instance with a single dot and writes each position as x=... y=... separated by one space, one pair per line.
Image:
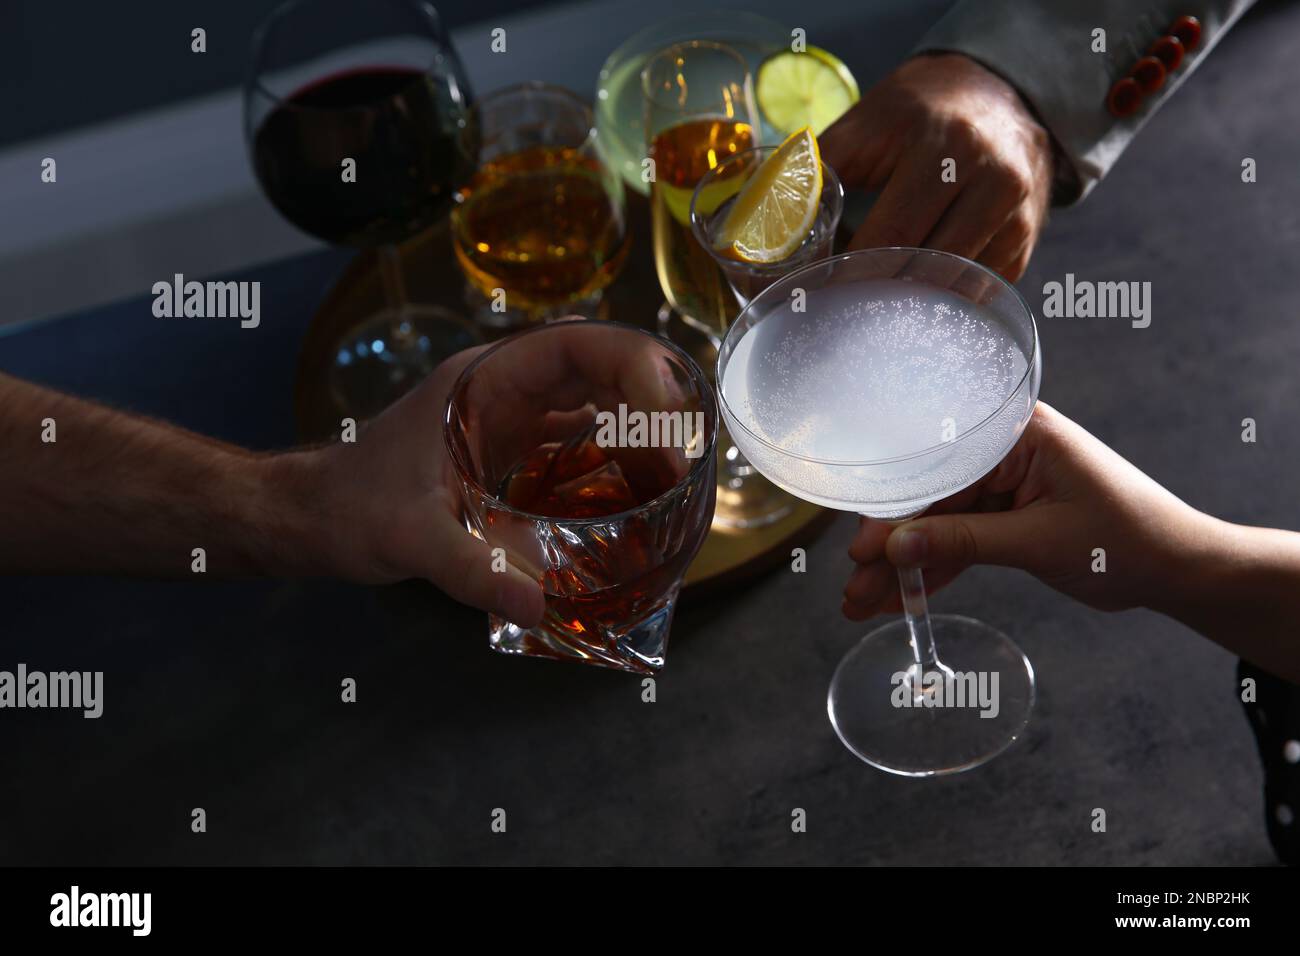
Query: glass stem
x=918 y=619
x=390 y=276
x=738 y=466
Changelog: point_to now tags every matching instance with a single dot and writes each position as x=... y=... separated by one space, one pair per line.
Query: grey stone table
x=226 y=696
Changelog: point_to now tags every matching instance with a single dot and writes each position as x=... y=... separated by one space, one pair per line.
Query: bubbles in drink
x=870 y=372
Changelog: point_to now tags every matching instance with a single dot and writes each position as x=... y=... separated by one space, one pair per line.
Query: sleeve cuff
x=1045 y=52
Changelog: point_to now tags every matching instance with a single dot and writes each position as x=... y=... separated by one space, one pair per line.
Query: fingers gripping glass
x=585 y=452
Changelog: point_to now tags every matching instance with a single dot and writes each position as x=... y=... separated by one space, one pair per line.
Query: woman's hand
x=1057 y=497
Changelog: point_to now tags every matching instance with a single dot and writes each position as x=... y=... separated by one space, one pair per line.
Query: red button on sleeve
x=1149 y=73
x=1124 y=97
x=1169 y=51
x=1188 y=30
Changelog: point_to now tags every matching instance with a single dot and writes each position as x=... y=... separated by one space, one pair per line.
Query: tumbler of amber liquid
x=585 y=453
x=541 y=228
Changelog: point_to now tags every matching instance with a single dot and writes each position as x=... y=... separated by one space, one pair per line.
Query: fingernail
x=520 y=598
x=911 y=548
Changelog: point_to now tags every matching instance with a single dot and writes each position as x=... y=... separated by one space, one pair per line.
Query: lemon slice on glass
x=804 y=89
x=775 y=211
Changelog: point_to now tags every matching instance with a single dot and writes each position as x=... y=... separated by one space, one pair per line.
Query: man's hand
x=936 y=107
x=387 y=507
x=120 y=494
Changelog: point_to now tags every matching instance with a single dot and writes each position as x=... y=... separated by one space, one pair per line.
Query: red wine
x=401 y=126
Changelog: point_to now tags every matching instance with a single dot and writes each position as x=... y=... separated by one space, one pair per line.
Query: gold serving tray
x=432 y=276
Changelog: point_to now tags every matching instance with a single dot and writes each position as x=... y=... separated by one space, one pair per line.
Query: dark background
x=61 y=68
x=226 y=695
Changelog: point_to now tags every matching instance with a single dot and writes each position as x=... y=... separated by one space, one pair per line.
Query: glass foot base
x=384 y=357
x=959 y=715
x=638 y=648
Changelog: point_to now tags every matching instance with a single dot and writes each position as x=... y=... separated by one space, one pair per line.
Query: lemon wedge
x=775 y=210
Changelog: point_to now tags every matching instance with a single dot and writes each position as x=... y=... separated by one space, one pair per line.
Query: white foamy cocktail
x=856 y=401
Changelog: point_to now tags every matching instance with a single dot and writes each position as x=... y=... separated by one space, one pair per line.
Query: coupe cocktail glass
x=880 y=382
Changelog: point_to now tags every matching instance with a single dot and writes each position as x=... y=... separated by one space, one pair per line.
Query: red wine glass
x=356 y=117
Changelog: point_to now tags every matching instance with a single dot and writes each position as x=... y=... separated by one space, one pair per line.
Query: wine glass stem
x=918 y=618
x=738 y=466
x=390 y=275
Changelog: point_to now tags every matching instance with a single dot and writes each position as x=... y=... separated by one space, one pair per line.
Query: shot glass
x=712 y=201
x=585 y=452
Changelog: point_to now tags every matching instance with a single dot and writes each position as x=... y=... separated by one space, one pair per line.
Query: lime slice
x=804 y=89
x=777 y=207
